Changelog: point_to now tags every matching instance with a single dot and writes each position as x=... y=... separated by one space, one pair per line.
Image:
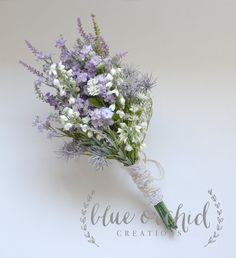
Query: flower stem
x=166 y=216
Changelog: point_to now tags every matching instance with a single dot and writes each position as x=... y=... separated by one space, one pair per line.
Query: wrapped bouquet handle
x=102 y=107
x=146 y=183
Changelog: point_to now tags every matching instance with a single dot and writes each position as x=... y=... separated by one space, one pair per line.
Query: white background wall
x=191 y=47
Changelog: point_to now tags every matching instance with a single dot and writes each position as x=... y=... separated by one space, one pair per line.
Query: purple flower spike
x=81 y=30
x=36 y=52
x=31 y=69
x=60 y=43
x=104 y=46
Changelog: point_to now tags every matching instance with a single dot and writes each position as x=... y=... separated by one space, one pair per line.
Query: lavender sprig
x=31 y=69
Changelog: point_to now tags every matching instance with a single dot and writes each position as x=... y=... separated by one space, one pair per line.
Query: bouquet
x=102 y=106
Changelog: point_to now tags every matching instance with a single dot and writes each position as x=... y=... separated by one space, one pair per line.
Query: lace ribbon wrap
x=145 y=182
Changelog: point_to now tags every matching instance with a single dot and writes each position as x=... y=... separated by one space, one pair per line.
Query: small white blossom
x=138 y=128
x=134 y=108
x=109 y=77
x=84 y=128
x=76 y=114
x=128 y=147
x=85 y=119
x=115 y=91
x=93 y=88
x=67 y=126
x=68 y=111
x=109 y=85
x=144 y=125
x=112 y=107
x=56 y=82
x=63 y=119
x=62 y=92
x=122 y=101
x=120 y=113
x=142 y=146
x=113 y=71
x=90 y=134
x=69 y=72
x=53 y=69
x=71 y=100
x=142 y=96
x=61 y=66
x=98 y=136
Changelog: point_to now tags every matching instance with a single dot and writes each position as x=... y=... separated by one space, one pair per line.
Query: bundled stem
x=165 y=216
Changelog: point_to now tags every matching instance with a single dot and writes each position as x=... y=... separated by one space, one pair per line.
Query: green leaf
x=116 y=117
x=101 y=69
x=95 y=102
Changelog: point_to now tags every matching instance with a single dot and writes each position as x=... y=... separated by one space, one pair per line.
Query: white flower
x=113 y=71
x=70 y=112
x=112 y=107
x=138 y=128
x=76 y=114
x=122 y=132
x=61 y=66
x=65 y=110
x=109 y=85
x=56 y=82
x=90 y=134
x=128 y=147
x=62 y=92
x=93 y=81
x=99 y=137
x=93 y=88
x=115 y=91
x=142 y=96
x=52 y=69
x=71 y=100
x=85 y=119
x=67 y=126
x=109 y=77
x=123 y=125
x=134 y=108
x=84 y=128
x=142 y=146
x=144 y=125
x=120 y=113
x=69 y=72
x=118 y=70
x=122 y=101
x=63 y=119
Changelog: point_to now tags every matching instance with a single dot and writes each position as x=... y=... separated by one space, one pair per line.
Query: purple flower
x=60 y=43
x=107 y=96
x=79 y=103
x=65 y=55
x=86 y=49
x=91 y=68
x=76 y=68
x=52 y=101
x=101 y=117
x=102 y=79
x=81 y=77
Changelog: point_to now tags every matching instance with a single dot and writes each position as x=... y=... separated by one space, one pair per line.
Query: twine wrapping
x=145 y=182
